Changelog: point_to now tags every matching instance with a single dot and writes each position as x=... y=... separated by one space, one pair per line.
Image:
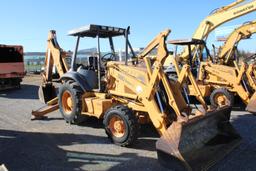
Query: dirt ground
x=52 y=144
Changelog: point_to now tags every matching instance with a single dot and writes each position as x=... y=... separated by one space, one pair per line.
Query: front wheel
x=70 y=102
x=221 y=97
x=121 y=125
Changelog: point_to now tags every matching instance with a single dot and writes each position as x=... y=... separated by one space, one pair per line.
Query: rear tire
x=17 y=83
x=121 y=125
x=70 y=102
x=222 y=97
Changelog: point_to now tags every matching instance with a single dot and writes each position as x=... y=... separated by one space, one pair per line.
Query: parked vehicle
x=12 y=68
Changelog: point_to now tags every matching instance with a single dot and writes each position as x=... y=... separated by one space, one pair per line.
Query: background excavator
x=126 y=94
x=217 y=18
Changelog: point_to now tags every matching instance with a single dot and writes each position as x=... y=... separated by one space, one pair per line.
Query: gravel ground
x=52 y=144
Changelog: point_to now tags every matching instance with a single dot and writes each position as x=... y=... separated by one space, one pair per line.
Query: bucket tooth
x=199 y=143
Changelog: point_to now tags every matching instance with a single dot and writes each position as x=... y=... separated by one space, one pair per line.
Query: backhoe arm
x=243 y=32
x=54 y=56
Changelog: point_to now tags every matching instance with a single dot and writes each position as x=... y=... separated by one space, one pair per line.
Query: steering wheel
x=108 y=57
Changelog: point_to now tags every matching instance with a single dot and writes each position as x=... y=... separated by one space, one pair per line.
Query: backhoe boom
x=227 y=51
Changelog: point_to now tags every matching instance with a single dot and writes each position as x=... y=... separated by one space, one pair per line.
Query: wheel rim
x=221 y=100
x=117 y=126
x=67 y=104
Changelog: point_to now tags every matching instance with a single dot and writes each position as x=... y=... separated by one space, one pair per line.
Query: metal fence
x=34 y=64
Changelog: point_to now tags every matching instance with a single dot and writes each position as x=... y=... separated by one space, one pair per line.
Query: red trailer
x=12 y=68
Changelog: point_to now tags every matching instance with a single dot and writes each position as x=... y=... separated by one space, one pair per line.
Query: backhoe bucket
x=251 y=107
x=46 y=93
x=199 y=143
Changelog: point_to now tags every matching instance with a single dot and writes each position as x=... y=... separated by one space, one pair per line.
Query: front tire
x=70 y=102
x=121 y=125
x=221 y=97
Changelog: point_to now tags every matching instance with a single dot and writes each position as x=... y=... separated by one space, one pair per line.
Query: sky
x=27 y=22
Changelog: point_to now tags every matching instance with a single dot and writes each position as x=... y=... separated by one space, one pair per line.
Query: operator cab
x=91 y=69
x=200 y=54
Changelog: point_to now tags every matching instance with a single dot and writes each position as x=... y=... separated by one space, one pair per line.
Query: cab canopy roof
x=93 y=30
x=187 y=42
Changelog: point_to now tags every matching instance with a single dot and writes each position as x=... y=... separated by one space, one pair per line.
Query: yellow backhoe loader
x=125 y=94
x=227 y=56
x=218 y=82
x=226 y=80
x=245 y=73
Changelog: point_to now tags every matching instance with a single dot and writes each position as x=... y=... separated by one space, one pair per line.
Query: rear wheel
x=121 y=125
x=70 y=102
x=221 y=97
x=16 y=82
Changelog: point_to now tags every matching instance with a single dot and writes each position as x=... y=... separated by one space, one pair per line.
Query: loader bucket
x=199 y=143
x=46 y=93
x=251 y=107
